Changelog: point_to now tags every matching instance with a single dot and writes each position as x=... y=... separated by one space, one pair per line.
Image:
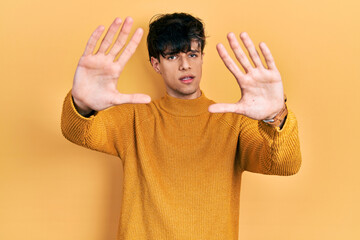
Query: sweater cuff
x=271 y=133
x=71 y=105
x=73 y=123
x=284 y=153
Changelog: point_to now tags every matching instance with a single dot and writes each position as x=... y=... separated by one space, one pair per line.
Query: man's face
x=181 y=72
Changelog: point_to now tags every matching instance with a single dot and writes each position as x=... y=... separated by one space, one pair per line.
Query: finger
x=130 y=48
x=228 y=61
x=239 y=53
x=123 y=35
x=131 y=98
x=90 y=46
x=106 y=42
x=223 y=108
x=267 y=55
x=254 y=55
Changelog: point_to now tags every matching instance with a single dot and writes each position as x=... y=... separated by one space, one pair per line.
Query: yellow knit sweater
x=183 y=165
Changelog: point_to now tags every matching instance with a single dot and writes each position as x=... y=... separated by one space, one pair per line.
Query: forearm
x=88 y=132
x=269 y=150
x=73 y=126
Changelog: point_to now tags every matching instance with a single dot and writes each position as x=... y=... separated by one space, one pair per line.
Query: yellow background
x=53 y=189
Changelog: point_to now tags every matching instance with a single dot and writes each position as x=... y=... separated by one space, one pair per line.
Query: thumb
x=131 y=98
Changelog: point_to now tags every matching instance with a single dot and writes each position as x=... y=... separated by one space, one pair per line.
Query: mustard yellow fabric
x=183 y=165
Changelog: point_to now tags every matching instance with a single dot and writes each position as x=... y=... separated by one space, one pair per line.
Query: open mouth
x=187 y=79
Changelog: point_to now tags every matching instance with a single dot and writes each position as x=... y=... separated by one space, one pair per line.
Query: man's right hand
x=97 y=74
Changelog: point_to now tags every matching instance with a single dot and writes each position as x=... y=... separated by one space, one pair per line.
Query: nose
x=184 y=63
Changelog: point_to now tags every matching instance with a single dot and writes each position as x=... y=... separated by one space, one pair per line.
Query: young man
x=183 y=155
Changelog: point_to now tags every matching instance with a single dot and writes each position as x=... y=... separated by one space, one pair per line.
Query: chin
x=190 y=93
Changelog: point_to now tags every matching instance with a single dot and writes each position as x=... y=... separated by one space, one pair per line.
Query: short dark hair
x=173 y=33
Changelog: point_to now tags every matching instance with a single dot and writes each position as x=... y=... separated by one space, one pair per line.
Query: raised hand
x=262 y=95
x=96 y=76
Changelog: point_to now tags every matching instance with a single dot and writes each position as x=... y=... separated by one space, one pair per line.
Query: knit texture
x=183 y=165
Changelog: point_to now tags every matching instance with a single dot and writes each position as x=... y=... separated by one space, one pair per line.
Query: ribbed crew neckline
x=185 y=107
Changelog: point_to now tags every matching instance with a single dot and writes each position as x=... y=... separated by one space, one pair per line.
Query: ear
x=155 y=64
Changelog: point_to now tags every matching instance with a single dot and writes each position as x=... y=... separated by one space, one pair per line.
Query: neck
x=193 y=95
x=185 y=107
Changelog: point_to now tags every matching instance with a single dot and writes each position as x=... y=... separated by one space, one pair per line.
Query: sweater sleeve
x=98 y=132
x=268 y=150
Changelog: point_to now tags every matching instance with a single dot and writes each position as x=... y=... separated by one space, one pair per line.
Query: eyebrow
x=173 y=53
x=194 y=51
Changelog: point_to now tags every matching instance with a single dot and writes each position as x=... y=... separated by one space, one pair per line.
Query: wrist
x=81 y=109
x=279 y=119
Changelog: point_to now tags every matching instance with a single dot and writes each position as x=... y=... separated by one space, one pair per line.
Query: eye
x=193 y=55
x=171 y=57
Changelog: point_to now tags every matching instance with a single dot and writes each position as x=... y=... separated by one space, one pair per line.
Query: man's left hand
x=262 y=94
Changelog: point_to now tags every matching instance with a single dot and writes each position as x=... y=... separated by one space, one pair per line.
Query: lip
x=187 y=78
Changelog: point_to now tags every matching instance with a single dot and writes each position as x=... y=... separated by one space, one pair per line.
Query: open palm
x=96 y=76
x=262 y=95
